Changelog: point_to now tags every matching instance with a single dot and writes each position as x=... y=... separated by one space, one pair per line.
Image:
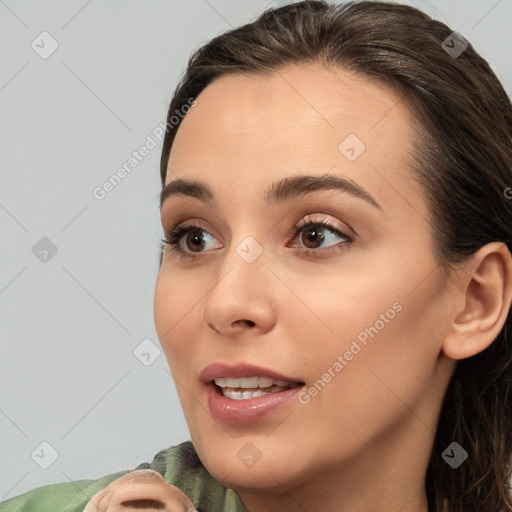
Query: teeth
x=250 y=387
x=265 y=382
x=250 y=382
x=242 y=395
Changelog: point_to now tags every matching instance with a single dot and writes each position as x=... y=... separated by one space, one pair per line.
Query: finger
x=151 y=495
x=140 y=489
x=99 y=502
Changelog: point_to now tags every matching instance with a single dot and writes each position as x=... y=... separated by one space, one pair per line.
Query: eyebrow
x=282 y=190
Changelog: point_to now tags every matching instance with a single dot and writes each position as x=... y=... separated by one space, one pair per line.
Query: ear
x=486 y=295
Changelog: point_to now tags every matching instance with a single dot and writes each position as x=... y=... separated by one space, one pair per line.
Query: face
x=328 y=286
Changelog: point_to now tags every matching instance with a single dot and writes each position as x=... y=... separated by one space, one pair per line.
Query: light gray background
x=69 y=326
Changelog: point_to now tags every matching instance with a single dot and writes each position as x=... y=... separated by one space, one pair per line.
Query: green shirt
x=179 y=466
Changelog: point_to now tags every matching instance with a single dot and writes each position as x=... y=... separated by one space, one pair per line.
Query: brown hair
x=462 y=159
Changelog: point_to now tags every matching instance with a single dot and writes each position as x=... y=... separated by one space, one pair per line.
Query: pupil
x=198 y=241
x=314 y=235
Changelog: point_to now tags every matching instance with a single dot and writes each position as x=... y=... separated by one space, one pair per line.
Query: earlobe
x=486 y=285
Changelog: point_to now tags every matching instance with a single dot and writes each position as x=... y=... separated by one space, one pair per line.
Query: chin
x=249 y=462
x=264 y=477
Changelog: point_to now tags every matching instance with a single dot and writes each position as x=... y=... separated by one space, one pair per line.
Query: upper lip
x=223 y=370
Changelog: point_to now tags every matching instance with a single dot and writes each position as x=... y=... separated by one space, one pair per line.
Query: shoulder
x=179 y=466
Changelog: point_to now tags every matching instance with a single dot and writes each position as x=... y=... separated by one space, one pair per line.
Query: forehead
x=248 y=130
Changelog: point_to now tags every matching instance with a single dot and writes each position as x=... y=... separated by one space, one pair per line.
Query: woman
x=334 y=292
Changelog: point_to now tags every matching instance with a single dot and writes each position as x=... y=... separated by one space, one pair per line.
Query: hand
x=144 y=486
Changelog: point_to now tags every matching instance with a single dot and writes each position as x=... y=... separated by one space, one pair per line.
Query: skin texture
x=141 y=486
x=363 y=442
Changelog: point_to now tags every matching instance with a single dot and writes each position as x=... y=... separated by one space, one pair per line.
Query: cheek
x=370 y=337
x=388 y=366
x=176 y=311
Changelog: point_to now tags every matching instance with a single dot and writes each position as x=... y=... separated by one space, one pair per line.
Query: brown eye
x=188 y=241
x=194 y=241
x=319 y=238
x=312 y=237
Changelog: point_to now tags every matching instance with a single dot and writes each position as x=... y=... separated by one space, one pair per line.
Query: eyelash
x=174 y=236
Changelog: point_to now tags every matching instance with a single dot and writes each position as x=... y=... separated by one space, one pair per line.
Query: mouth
x=245 y=393
x=246 y=388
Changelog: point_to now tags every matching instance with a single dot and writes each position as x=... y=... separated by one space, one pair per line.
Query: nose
x=243 y=298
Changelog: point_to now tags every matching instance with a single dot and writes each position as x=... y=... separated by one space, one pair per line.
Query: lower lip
x=232 y=411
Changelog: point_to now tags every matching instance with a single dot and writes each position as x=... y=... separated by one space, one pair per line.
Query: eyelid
x=303 y=222
x=336 y=225
x=175 y=236
x=192 y=223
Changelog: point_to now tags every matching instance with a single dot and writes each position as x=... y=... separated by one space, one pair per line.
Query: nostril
x=144 y=504
x=250 y=323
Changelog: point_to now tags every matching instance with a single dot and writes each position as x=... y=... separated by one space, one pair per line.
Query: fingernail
x=140 y=473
